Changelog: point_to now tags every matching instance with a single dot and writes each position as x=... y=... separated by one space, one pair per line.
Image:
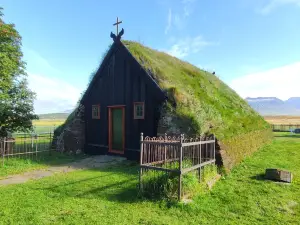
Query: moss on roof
x=209 y=104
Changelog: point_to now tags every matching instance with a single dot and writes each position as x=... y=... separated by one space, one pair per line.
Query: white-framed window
x=96 y=111
x=139 y=110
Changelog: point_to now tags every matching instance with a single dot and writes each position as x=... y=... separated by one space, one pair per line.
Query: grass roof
x=209 y=104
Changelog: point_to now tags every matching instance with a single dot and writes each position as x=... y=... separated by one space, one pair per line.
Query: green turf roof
x=201 y=98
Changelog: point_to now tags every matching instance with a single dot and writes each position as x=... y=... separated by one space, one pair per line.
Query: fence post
x=214 y=149
x=165 y=148
x=50 y=143
x=141 y=162
x=36 y=147
x=3 y=151
x=180 y=168
x=31 y=136
x=199 y=170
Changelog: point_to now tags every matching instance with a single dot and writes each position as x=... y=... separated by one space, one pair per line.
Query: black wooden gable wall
x=121 y=81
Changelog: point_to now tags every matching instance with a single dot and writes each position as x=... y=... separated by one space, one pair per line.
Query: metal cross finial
x=117 y=24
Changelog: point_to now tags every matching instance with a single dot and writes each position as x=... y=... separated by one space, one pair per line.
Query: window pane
x=139 y=110
x=95 y=111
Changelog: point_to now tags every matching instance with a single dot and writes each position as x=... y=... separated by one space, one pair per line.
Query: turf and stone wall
x=70 y=137
x=232 y=151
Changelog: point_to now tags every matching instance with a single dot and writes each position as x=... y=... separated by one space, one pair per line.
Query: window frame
x=98 y=109
x=134 y=110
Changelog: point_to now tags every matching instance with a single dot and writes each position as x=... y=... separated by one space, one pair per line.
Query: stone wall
x=172 y=124
x=72 y=136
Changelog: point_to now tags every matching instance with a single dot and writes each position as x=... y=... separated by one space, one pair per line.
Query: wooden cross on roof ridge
x=117 y=24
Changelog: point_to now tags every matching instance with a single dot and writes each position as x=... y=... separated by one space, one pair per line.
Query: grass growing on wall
x=203 y=101
x=234 y=150
x=199 y=103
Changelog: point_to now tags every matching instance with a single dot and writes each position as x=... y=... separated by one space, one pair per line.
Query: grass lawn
x=109 y=196
x=18 y=165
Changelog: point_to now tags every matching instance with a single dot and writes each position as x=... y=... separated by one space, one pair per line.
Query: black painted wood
x=120 y=80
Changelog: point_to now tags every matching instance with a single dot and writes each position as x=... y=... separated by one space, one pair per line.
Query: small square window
x=139 y=111
x=95 y=111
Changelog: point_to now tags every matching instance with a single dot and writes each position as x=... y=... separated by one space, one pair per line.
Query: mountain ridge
x=273 y=106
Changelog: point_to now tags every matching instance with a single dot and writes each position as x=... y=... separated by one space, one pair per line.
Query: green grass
x=43 y=160
x=48 y=122
x=109 y=196
x=162 y=185
x=45 y=125
x=204 y=104
x=286 y=136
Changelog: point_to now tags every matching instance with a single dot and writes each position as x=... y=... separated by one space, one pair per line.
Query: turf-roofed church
x=121 y=101
x=137 y=89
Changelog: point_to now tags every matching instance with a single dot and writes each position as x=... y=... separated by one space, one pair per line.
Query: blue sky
x=253 y=45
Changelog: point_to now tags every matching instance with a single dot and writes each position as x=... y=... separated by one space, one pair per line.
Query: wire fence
x=24 y=145
x=37 y=130
x=285 y=127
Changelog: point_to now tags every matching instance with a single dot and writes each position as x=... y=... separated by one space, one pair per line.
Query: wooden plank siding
x=122 y=84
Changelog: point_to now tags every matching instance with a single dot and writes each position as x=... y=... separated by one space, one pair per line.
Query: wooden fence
x=25 y=145
x=285 y=127
x=176 y=155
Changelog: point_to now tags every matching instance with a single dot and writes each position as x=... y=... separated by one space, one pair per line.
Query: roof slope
x=208 y=103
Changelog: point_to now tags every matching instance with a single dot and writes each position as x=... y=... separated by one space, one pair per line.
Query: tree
x=16 y=99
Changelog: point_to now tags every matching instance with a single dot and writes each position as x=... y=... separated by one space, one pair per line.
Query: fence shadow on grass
x=19 y=164
x=119 y=183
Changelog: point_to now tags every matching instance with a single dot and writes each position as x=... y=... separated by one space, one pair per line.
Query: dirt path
x=88 y=163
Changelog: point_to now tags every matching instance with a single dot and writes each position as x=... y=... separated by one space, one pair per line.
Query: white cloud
x=37 y=63
x=178 y=21
x=169 y=24
x=53 y=95
x=187 y=7
x=186 y=46
x=273 y=4
x=179 y=18
x=282 y=82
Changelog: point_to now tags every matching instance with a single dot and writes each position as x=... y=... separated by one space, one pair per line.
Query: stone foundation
x=72 y=137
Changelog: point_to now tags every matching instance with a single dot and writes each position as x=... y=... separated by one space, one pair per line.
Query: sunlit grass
x=21 y=164
x=49 y=122
x=109 y=196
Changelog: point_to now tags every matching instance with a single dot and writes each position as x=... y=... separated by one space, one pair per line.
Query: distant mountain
x=272 y=106
x=67 y=111
x=295 y=102
x=54 y=116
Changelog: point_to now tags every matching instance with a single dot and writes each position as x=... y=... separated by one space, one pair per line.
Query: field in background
x=48 y=122
x=283 y=119
x=54 y=116
x=46 y=125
